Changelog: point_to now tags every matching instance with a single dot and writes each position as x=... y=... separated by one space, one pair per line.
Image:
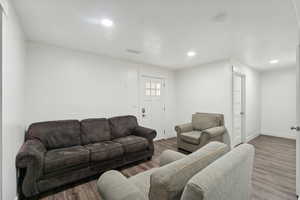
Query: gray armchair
x=204 y=128
x=207 y=174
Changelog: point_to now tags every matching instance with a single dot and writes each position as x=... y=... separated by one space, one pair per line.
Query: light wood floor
x=273 y=176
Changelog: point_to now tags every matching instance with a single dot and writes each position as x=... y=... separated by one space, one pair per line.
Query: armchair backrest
x=168 y=182
x=202 y=121
x=229 y=177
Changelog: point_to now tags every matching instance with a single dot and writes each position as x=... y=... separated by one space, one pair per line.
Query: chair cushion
x=132 y=143
x=95 y=130
x=104 y=150
x=58 y=159
x=192 y=137
x=168 y=182
x=122 y=126
x=201 y=121
x=56 y=134
x=142 y=181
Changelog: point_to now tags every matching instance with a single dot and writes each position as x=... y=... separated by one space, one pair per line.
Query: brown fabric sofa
x=57 y=153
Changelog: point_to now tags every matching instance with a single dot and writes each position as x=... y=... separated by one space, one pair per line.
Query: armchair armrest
x=112 y=185
x=31 y=157
x=183 y=128
x=148 y=133
x=215 y=131
x=169 y=156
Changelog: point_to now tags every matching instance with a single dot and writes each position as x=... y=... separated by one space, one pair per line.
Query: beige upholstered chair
x=207 y=174
x=204 y=128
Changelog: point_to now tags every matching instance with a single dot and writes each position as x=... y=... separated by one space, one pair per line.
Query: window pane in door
x=153 y=92
x=148 y=92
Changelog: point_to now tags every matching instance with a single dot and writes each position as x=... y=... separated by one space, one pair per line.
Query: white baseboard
x=251 y=137
x=276 y=134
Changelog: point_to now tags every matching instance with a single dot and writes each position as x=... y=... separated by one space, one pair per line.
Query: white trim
x=251 y=137
x=276 y=134
x=4 y=6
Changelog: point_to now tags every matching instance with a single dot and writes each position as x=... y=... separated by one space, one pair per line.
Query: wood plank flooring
x=274 y=171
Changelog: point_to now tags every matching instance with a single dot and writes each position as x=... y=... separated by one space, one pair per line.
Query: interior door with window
x=238 y=108
x=152 y=105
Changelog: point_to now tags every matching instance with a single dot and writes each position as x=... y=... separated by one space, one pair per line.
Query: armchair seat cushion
x=192 y=137
x=133 y=143
x=105 y=150
x=59 y=159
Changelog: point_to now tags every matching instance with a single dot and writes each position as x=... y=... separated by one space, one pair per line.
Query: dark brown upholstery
x=58 y=159
x=95 y=130
x=132 y=143
x=104 y=150
x=122 y=126
x=57 y=153
x=56 y=134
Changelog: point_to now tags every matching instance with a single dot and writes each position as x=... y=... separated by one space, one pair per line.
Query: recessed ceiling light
x=107 y=22
x=273 y=61
x=191 y=53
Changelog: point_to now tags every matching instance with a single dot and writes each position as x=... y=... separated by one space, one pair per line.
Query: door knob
x=297 y=128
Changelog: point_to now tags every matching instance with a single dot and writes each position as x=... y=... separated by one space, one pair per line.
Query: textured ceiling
x=252 y=31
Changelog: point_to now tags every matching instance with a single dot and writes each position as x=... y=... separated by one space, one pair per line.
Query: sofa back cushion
x=95 y=130
x=168 y=182
x=123 y=125
x=56 y=134
x=227 y=178
x=202 y=121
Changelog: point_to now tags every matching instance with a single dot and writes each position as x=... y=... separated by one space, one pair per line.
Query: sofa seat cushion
x=142 y=181
x=132 y=143
x=192 y=137
x=58 y=159
x=104 y=150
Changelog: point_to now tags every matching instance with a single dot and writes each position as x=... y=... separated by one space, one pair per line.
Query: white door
x=152 y=105
x=297 y=127
x=238 y=108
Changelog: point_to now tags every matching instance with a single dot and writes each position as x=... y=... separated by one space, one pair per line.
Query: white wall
x=205 y=88
x=12 y=99
x=278 y=99
x=69 y=84
x=253 y=100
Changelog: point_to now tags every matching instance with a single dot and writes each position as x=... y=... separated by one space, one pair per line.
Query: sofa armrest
x=183 y=128
x=215 y=131
x=147 y=133
x=112 y=185
x=169 y=156
x=31 y=158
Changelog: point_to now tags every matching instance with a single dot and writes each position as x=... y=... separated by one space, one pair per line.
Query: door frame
x=243 y=94
x=144 y=75
x=298 y=121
